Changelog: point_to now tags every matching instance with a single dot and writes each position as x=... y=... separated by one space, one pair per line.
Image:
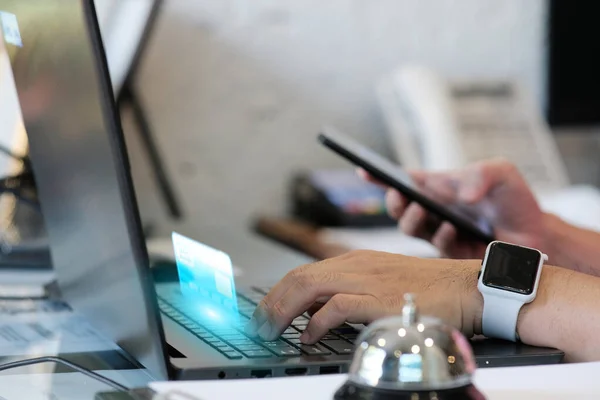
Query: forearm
x=571 y=247
x=564 y=315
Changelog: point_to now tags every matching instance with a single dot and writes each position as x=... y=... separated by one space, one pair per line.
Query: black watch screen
x=511 y=268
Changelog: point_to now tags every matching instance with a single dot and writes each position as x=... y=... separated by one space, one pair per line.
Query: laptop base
x=193 y=358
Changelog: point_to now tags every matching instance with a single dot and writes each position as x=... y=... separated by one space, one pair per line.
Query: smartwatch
x=509 y=278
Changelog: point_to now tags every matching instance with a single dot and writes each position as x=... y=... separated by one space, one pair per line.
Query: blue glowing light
x=206 y=280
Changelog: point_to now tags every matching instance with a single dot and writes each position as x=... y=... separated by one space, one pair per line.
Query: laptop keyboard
x=234 y=344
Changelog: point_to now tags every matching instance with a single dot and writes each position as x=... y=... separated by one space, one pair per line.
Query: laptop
x=82 y=171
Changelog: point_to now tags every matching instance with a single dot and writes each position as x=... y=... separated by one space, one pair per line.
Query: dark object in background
x=573 y=63
x=133 y=394
x=23 y=239
x=338 y=198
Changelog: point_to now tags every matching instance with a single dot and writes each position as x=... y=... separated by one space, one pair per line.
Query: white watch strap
x=500 y=317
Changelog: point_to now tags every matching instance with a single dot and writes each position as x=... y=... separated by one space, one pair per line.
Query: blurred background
x=221 y=103
x=237 y=90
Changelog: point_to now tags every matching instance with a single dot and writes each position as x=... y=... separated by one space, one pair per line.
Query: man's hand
x=362 y=286
x=494 y=188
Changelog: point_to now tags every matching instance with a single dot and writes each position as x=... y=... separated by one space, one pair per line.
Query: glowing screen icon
x=206 y=280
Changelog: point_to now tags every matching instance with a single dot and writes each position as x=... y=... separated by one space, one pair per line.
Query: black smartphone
x=466 y=219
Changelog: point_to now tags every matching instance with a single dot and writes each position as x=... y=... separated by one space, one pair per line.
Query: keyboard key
x=290 y=330
x=344 y=329
x=240 y=342
x=288 y=351
x=330 y=336
x=188 y=323
x=338 y=346
x=205 y=334
x=293 y=340
x=314 y=350
x=213 y=328
x=245 y=347
x=224 y=348
x=257 y=353
x=229 y=337
x=351 y=337
x=224 y=331
x=291 y=335
x=300 y=328
x=275 y=344
x=232 y=355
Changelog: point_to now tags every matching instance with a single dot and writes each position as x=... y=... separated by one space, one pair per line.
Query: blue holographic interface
x=206 y=281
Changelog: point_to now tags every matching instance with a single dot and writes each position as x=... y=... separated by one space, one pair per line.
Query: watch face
x=511 y=268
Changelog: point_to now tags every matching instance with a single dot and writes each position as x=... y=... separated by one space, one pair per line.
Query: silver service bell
x=410 y=357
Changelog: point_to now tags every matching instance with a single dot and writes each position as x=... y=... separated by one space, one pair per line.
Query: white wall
x=237 y=89
x=12 y=134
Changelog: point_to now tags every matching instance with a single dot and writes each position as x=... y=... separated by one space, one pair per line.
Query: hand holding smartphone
x=466 y=219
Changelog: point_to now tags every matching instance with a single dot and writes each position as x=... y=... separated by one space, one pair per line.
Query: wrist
x=472 y=300
x=529 y=321
x=555 y=233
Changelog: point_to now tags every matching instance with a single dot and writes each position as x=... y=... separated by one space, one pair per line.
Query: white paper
x=64 y=386
x=37 y=333
x=390 y=240
x=579 y=205
x=31 y=329
x=552 y=382
x=565 y=381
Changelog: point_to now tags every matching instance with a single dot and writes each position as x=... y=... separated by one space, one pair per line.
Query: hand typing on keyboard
x=362 y=286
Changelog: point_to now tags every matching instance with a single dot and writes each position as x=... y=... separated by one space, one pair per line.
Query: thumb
x=472 y=192
x=480 y=179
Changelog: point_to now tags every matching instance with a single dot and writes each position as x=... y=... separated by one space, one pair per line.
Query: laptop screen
x=80 y=164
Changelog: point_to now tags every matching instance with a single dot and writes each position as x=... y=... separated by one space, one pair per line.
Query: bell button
x=410 y=357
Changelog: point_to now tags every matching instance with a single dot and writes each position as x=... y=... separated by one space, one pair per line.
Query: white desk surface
x=64 y=386
x=566 y=381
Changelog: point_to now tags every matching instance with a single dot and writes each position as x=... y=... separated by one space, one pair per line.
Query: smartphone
x=466 y=219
